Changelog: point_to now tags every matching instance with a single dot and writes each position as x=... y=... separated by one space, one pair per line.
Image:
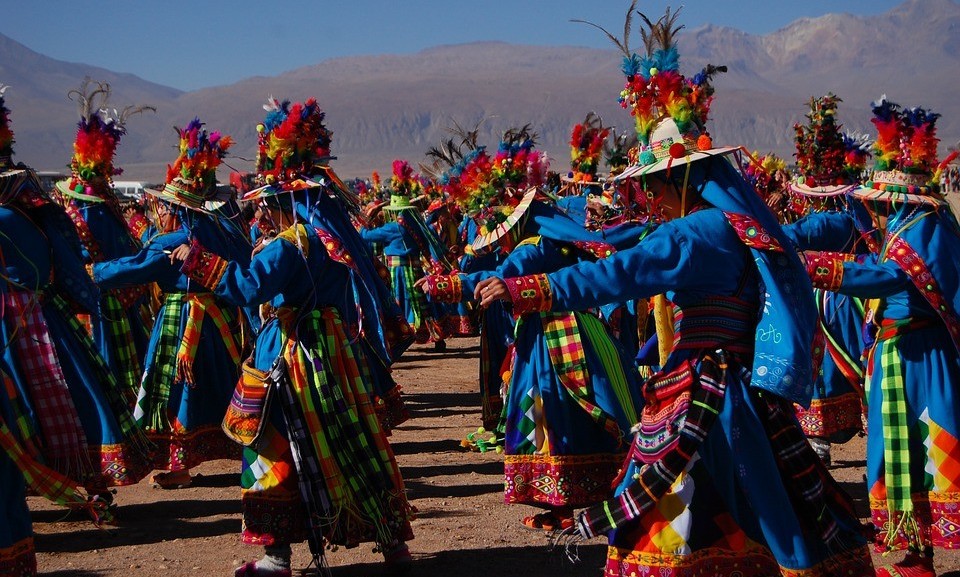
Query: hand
x=180 y=253
x=491 y=289
x=420 y=282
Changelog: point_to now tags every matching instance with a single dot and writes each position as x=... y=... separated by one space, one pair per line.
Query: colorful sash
x=48 y=483
x=562 y=334
x=175 y=353
x=348 y=476
x=654 y=479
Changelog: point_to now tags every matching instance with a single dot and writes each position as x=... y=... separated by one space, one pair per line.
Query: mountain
x=388 y=106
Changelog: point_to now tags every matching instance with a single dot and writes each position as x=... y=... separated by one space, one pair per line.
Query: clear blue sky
x=190 y=44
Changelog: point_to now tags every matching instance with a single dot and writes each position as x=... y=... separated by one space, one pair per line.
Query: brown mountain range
x=386 y=107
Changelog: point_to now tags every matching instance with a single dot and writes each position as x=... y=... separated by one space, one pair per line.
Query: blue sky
x=189 y=44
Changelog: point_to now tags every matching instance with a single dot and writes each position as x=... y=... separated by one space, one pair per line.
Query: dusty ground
x=463 y=526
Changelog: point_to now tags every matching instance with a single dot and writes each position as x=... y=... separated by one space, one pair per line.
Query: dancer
x=82 y=417
x=571 y=395
x=914 y=418
x=322 y=469
x=120 y=334
x=719 y=479
x=407 y=241
x=193 y=359
x=828 y=171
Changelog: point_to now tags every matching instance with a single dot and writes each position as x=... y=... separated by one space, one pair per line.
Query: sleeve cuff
x=204 y=267
x=446 y=288
x=530 y=294
x=826 y=268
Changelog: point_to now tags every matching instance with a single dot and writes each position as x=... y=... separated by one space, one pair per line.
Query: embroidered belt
x=726 y=322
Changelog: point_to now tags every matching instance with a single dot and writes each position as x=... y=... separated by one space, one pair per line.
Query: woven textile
x=65 y=444
x=348 y=476
x=656 y=478
x=562 y=334
x=896 y=450
x=175 y=352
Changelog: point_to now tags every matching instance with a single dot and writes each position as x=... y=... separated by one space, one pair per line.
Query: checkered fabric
x=562 y=334
x=896 y=434
x=349 y=478
x=175 y=352
x=124 y=346
x=65 y=444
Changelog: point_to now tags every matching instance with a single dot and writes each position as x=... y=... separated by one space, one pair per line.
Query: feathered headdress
x=6 y=134
x=905 y=155
x=587 y=142
x=489 y=189
x=670 y=111
x=856 y=152
x=293 y=141
x=404 y=186
x=192 y=178
x=98 y=133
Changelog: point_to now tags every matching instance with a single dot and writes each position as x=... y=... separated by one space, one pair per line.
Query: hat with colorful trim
x=192 y=178
x=670 y=110
x=821 y=152
x=404 y=186
x=98 y=133
x=905 y=156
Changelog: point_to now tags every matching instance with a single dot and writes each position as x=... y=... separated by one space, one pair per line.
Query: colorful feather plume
x=906 y=138
x=654 y=87
x=292 y=140
x=195 y=169
x=820 y=150
x=6 y=134
x=587 y=143
x=856 y=152
x=404 y=182
x=99 y=131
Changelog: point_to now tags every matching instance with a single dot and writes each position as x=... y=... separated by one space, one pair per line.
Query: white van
x=129 y=190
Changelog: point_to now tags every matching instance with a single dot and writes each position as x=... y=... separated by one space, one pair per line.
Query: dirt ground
x=463 y=525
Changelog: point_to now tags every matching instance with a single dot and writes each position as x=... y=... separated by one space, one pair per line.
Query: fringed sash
x=48 y=483
x=175 y=353
x=348 y=477
x=896 y=433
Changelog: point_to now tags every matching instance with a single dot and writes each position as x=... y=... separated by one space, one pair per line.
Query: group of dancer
x=668 y=348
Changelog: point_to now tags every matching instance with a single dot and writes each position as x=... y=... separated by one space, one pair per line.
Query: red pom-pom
x=678 y=150
x=704 y=142
x=810 y=182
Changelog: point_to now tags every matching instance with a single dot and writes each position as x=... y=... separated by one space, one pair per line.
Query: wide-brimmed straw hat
x=192 y=178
